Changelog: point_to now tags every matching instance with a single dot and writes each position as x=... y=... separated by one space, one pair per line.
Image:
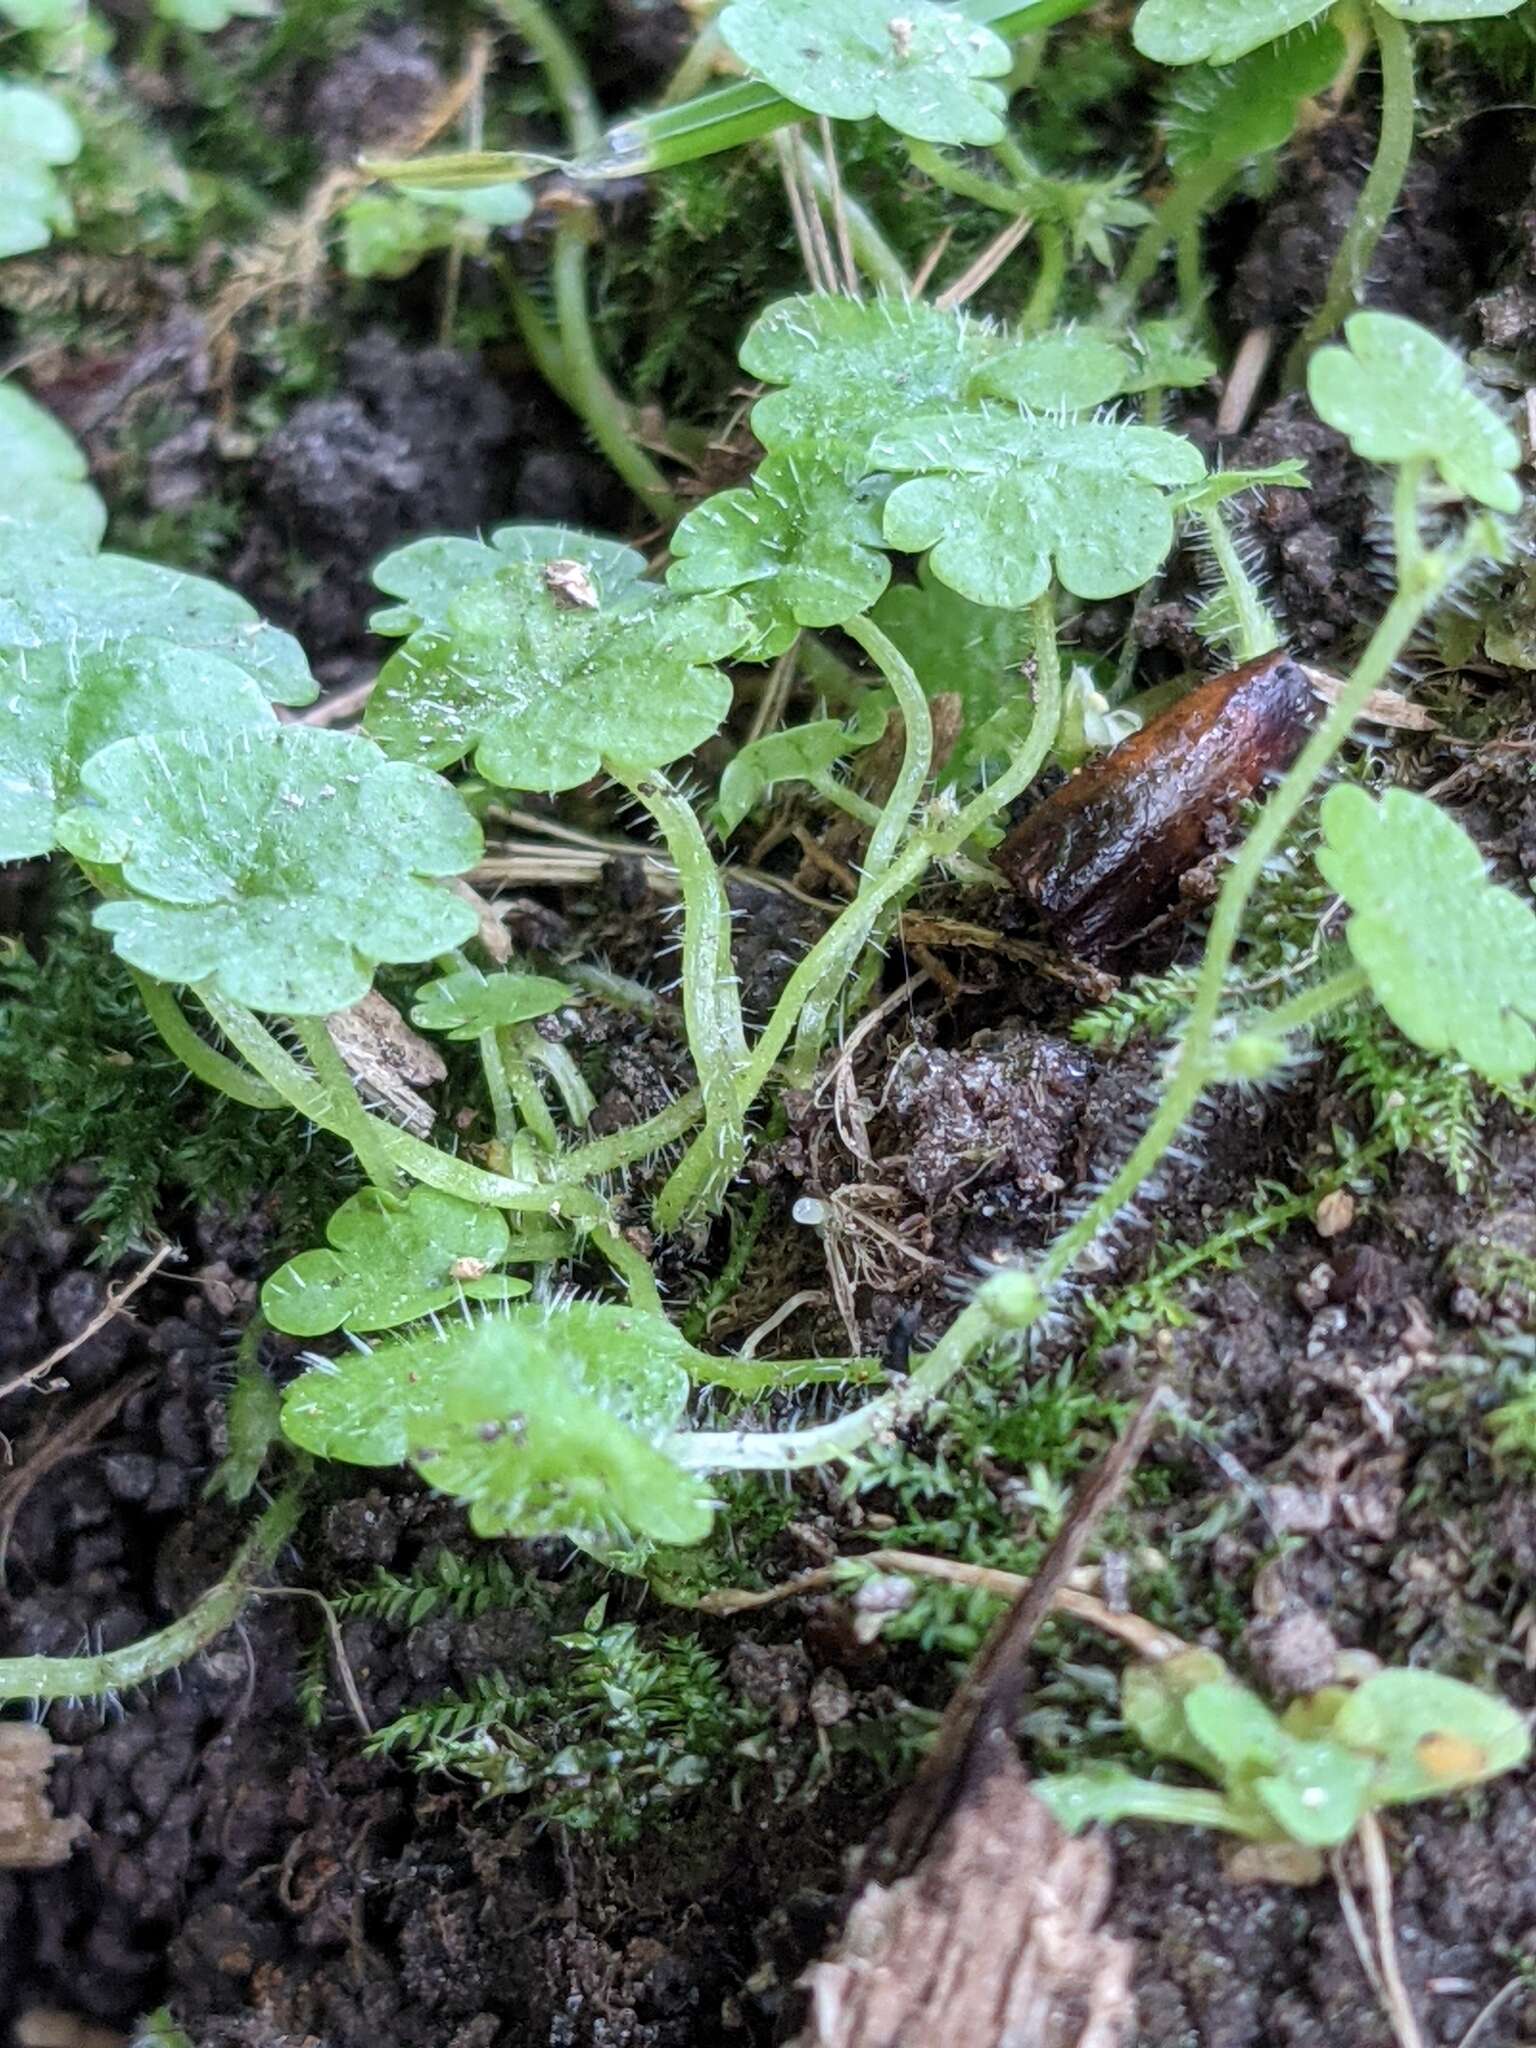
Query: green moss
x=85 y=1081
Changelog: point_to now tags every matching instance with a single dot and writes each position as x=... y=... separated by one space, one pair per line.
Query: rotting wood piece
x=994 y=1942
x=32 y=1835
x=1102 y=857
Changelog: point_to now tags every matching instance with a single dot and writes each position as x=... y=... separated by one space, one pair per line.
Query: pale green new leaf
x=1233 y=113
x=37 y=135
x=544 y=1421
x=1449 y=10
x=973 y=650
x=797 y=547
x=544 y=692
x=797 y=754
x=467 y=1002
x=427 y=575
x=1316 y=1792
x=59 y=706
x=1400 y=394
x=1010 y=498
x=56 y=593
x=45 y=472
x=922 y=68
x=1216 y=31
x=1451 y=956
x=854 y=366
x=280 y=866
x=46 y=17
x=391 y=1261
x=1430 y=1734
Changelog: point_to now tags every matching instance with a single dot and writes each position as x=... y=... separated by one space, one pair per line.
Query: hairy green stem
x=119 y=1671
x=1009 y=1302
x=1378 y=195
x=561 y=66
x=1040 y=307
x=410 y=1156
x=539 y=338
x=711 y=1002
x=598 y=405
x=531 y=1106
x=1346 y=986
x=967 y=183
x=836 y=953
x=917 y=740
x=619 y=1149
x=498 y=1088
x=1184 y=208
x=1257 y=632
x=195 y=1053
x=346 y=1114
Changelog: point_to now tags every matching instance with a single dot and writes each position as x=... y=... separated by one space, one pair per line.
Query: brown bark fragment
x=993 y=1943
x=32 y=1837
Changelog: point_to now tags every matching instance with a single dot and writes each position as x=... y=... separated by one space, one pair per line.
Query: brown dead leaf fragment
x=32 y=1836
x=993 y=1943
x=390 y=1060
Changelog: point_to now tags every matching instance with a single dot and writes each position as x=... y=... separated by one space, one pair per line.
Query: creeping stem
x=195 y=1054
x=711 y=1000
x=345 y=1113
x=1257 y=632
x=1008 y=1303
x=118 y=1671
x=1378 y=195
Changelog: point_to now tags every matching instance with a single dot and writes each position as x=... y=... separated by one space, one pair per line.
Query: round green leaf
x=1318 y=1792
x=799 y=547
x=855 y=365
x=36 y=133
x=386 y=234
x=1430 y=1734
x=1449 y=10
x=391 y=1262
x=59 y=706
x=796 y=754
x=46 y=470
x=1216 y=31
x=427 y=575
x=545 y=1421
x=1231 y=114
x=544 y=692
x=54 y=592
x=920 y=67
x=468 y=1002
x=1069 y=370
x=1016 y=496
x=280 y=865
x=973 y=650
x=1399 y=394
x=1451 y=956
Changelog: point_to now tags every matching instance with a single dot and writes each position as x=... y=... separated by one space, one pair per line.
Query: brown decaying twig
x=116 y=1301
x=76 y=1435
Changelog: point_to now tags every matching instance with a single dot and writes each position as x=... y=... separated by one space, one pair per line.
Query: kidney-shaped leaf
x=1216 y=31
x=1316 y=1792
x=1430 y=1734
x=1399 y=394
x=544 y=1420
x=467 y=1002
x=798 y=547
x=280 y=865
x=59 y=706
x=853 y=366
x=544 y=691
x=46 y=473
x=427 y=575
x=1009 y=497
x=1236 y=112
x=391 y=1261
x=971 y=650
x=1450 y=955
x=37 y=133
x=924 y=69
x=56 y=593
